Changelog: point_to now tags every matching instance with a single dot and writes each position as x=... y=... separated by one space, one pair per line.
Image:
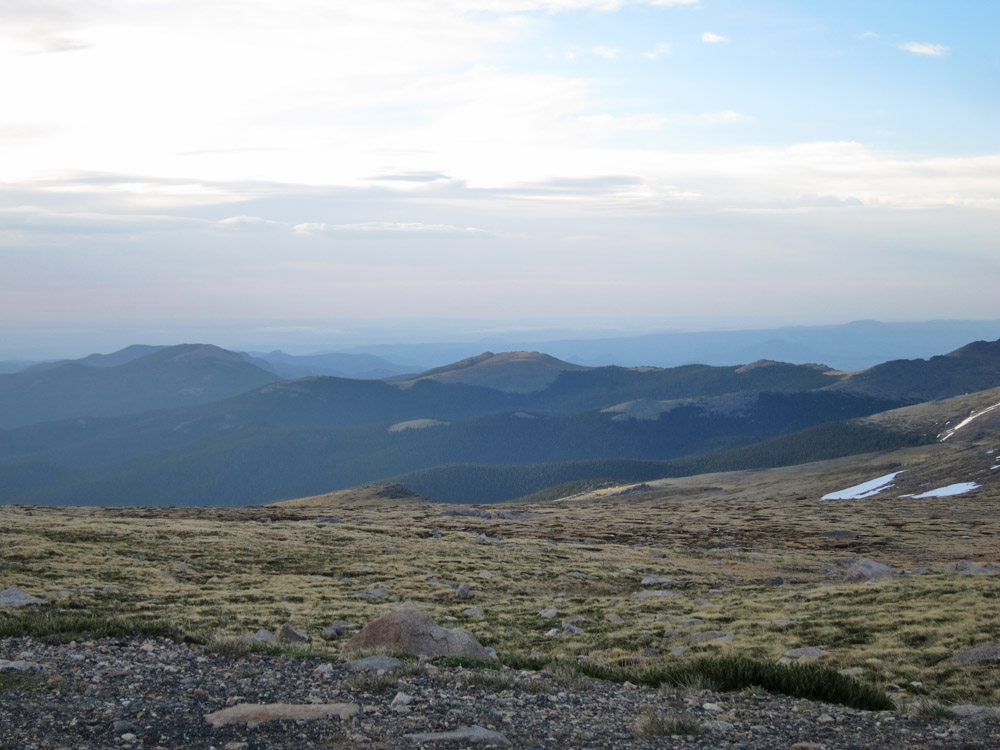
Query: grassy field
x=724 y=540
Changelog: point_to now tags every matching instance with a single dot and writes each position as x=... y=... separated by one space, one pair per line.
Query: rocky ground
x=156 y=693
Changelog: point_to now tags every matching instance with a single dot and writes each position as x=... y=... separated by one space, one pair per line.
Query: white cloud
x=608 y=53
x=661 y=49
x=386 y=227
x=925 y=48
x=868 y=35
x=709 y=38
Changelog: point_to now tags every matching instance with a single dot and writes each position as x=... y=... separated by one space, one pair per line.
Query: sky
x=248 y=168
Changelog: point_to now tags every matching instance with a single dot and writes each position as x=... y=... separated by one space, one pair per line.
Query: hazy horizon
x=317 y=337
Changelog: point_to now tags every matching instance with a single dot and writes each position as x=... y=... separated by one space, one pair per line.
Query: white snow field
x=952 y=489
x=867 y=489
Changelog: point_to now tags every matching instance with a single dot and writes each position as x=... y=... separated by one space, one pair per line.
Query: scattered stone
x=263 y=636
x=401 y=699
x=985 y=653
x=654 y=580
x=654 y=593
x=803 y=655
x=859 y=569
x=712 y=707
x=548 y=614
x=691 y=622
x=324 y=671
x=716 y=636
x=414 y=632
x=841 y=534
x=253 y=714
x=614 y=618
x=572 y=630
x=18 y=665
x=719 y=726
x=336 y=629
x=573 y=620
x=16 y=597
x=473 y=612
x=289 y=634
x=485 y=574
x=776 y=581
x=969 y=568
x=463 y=591
x=970 y=710
x=552 y=633
x=852 y=672
x=375 y=663
x=473 y=734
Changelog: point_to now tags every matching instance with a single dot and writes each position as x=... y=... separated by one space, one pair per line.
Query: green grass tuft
x=731 y=673
x=660 y=724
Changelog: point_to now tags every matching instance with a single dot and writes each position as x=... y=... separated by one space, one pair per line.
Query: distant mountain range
x=135 y=379
x=851 y=346
x=196 y=424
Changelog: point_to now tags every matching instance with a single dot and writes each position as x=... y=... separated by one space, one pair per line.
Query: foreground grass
x=218 y=575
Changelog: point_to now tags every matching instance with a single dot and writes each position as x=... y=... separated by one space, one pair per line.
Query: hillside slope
x=171 y=377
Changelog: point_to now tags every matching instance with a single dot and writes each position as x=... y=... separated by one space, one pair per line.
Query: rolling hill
x=123 y=383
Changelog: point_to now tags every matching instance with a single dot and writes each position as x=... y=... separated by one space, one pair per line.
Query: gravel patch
x=155 y=693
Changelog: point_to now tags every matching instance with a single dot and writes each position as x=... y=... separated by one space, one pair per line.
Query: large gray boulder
x=411 y=631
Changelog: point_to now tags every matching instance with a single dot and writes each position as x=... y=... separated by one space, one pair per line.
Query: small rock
x=463 y=591
x=716 y=636
x=336 y=629
x=548 y=614
x=18 y=665
x=252 y=714
x=654 y=580
x=654 y=593
x=552 y=632
x=16 y=597
x=614 y=618
x=375 y=663
x=473 y=612
x=263 y=636
x=803 y=655
x=473 y=734
x=289 y=634
x=691 y=622
x=719 y=726
x=402 y=699
x=324 y=671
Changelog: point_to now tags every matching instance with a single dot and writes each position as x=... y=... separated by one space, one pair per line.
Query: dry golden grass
x=722 y=538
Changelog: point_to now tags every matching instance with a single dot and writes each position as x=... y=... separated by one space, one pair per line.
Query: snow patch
x=952 y=489
x=417 y=424
x=967 y=420
x=866 y=489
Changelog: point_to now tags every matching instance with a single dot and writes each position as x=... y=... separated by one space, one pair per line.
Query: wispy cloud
x=386 y=227
x=35 y=219
x=608 y=53
x=868 y=35
x=925 y=48
x=661 y=49
x=709 y=38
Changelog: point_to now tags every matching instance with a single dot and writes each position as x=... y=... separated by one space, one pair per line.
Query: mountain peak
x=511 y=372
